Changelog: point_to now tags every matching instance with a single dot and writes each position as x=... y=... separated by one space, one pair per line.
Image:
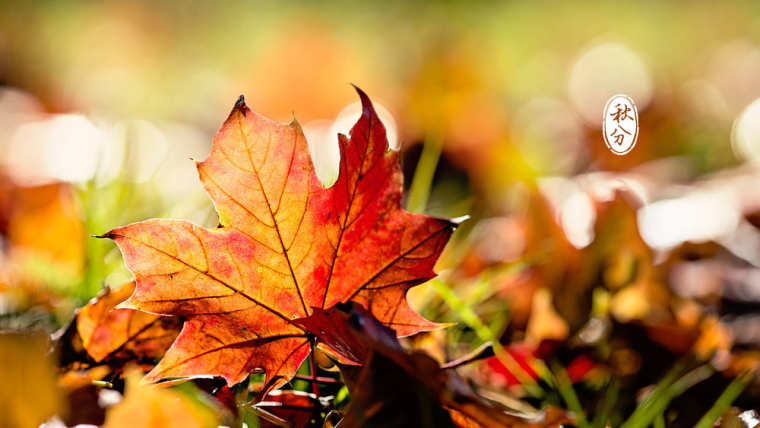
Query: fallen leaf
x=29 y=394
x=123 y=333
x=579 y=367
x=152 y=407
x=299 y=409
x=544 y=322
x=332 y=329
x=83 y=396
x=499 y=374
x=399 y=388
x=286 y=245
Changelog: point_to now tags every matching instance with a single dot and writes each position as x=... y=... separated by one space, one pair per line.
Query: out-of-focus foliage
x=30 y=394
x=150 y=407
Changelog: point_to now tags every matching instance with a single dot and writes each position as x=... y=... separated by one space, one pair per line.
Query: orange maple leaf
x=123 y=333
x=285 y=245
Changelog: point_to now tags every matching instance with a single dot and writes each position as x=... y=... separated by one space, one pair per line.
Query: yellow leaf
x=148 y=406
x=29 y=394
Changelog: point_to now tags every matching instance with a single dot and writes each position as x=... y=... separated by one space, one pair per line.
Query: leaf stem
x=313 y=370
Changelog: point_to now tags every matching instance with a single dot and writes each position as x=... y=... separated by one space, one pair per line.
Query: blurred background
x=570 y=250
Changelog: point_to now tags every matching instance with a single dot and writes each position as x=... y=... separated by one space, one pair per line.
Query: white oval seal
x=620 y=124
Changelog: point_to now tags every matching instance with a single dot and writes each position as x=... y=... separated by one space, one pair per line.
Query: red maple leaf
x=285 y=245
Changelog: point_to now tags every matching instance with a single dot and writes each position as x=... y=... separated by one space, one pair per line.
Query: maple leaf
x=29 y=394
x=429 y=392
x=285 y=245
x=123 y=333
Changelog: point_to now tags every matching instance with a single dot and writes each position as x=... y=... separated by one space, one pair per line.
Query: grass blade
x=723 y=402
x=565 y=388
x=667 y=389
x=423 y=175
x=469 y=317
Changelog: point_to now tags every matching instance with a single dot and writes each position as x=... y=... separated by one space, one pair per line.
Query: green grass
x=723 y=402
